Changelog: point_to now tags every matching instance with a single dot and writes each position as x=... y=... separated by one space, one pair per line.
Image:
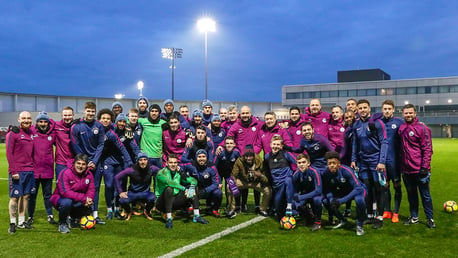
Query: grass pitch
x=142 y=238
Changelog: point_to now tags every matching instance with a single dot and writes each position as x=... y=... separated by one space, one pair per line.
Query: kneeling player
x=140 y=176
x=340 y=185
x=175 y=189
x=308 y=188
x=279 y=163
x=74 y=193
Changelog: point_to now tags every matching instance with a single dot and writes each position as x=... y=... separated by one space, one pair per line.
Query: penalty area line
x=212 y=238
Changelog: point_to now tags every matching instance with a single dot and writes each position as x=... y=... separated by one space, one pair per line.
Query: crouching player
x=74 y=193
x=248 y=173
x=140 y=176
x=340 y=185
x=308 y=188
x=209 y=184
x=175 y=189
x=278 y=164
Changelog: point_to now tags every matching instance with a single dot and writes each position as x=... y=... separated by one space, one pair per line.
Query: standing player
x=352 y=105
x=142 y=106
x=341 y=185
x=74 y=193
x=134 y=126
x=392 y=125
x=184 y=111
x=207 y=114
x=43 y=164
x=223 y=114
x=294 y=126
x=369 y=156
x=64 y=153
x=267 y=131
x=308 y=188
x=317 y=117
x=278 y=165
x=117 y=109
x=416 y=152
x=19 y=153
x=336 y=129
x=232 y=116
x=217 y=132
x=174 y=138
x=151 y=141
x=168 y=111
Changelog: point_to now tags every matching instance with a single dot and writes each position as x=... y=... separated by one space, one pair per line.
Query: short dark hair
x=104 y=111
x=90 y=105
x=409 y=106
x=294 y=108
x=303 y=156
x=388 y=102
x=172 y=156
x=363 y=101
x=81 y=156
x=306 y=123
x=332 y=155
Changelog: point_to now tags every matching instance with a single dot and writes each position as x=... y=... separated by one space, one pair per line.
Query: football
x=87 y=222
x=450 y=206
x=287 y=222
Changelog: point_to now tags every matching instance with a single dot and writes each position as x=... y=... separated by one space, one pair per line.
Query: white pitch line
x=213 y=237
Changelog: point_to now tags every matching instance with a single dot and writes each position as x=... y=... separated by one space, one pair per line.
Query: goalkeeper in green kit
x=176 y=189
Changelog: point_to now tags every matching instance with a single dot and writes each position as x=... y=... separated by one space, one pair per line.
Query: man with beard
x=196 y=120
x=64 y=153
x=142 y=106
x=44 y=139
x=293 y=126
x=209 y=183
x=200 y=142
x=416 y=152
x=151 y=142
x=248 y=172
x=316 y=146
x=168 y=111
x=117 y=109
x=317 y=117
x=369 y=152
x=19 y=153
x=176 y=189
x=140 y=177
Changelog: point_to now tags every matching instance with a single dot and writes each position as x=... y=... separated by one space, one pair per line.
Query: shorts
x=24 y=185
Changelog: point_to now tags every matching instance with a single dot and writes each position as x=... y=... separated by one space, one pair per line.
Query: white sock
x=289 y=206
x=196 y=212
x=109 y=210
x=95 y=214
x=13 y=220
x=380 y=218
x=21 y=219
x=169 y=215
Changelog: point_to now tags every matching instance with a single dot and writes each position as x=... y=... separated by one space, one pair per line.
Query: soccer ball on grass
x=287 y=222
x=87 y=222
x=450 y=206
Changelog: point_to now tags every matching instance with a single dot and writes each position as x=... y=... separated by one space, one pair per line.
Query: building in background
x=436 y=99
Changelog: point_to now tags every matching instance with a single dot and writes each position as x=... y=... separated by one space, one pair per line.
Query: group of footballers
x=164 y=160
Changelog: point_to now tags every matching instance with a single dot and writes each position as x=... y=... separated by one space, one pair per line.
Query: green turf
x=142 y=238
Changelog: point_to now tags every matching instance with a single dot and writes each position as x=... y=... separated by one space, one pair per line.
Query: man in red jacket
x=19 y=153
x=74 y=193
x=416 y=152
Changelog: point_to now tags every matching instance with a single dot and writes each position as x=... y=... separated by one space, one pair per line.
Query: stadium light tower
x=172 y=53
x=140 y=85
x=205 y=25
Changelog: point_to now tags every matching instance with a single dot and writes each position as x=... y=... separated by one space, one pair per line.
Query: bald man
x=318 y=118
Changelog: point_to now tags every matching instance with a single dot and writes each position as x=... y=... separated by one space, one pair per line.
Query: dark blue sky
x=99 y=48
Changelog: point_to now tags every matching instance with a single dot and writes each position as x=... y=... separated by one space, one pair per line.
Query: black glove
x=372 y=126
x=129 y=133
x=423 y=172
x=335 y=204
x=13 y=128
x=287 y=148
